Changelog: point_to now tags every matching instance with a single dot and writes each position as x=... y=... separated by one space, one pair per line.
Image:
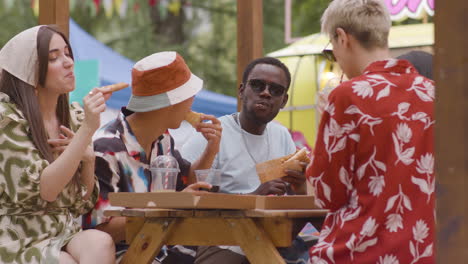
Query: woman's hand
x=94 y=104
x=196 y=187
x=60 y=144
x=212 y=132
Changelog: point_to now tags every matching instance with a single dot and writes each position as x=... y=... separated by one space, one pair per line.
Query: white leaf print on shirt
x=419 y=116
x=363 y=89
x=325 y=188
x=394 y=221
x=423 y=117
x=388 y=259
x=403 y=136
x=424 y=89
x=364 y=119
x=377 y=182
x=352 y=210
x=366 y=88
x=391 y=63
x=319 y=247
x=368 y=230
x=317 y=260
x=330 y=108
x=346 y=179
x=376 y=185
x=383 y=93
x=402 y=109
x=425 y=165
x=338 y=138
x=420 y=232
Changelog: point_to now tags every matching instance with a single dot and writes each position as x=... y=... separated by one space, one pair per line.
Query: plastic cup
x=163 y=179
x=211 y=176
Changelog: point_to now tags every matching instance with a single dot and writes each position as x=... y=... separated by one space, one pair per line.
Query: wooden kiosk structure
x=451 y=138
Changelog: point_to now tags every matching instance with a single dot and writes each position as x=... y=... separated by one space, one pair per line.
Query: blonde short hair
x=366 y=20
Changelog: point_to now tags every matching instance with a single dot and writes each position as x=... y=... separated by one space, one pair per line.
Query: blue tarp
x=114 y=68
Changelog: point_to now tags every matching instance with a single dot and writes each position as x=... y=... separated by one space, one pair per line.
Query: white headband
x=19 y=56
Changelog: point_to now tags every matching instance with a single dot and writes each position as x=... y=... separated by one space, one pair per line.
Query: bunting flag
x=8 y=4
x=174 y=7
x=111 y=7
x=35 y=7
x=108 y=8
x=121 y=7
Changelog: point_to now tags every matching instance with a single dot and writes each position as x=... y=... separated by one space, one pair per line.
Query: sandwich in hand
x=274 y=169
x=193 y=118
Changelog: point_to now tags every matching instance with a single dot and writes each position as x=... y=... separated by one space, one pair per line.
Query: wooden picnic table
x=258 y=232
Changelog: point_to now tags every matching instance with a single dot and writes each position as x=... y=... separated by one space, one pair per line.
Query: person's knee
x=100 y=242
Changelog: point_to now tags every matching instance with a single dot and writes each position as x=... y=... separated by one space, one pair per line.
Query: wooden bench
x=258 y=232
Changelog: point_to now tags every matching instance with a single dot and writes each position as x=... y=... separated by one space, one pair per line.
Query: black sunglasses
x=259 y=86
x=328 y=53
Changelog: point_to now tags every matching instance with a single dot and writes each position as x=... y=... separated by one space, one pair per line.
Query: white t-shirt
x=240 y=151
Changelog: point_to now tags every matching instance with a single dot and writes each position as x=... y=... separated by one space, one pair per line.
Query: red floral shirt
x=373 y=167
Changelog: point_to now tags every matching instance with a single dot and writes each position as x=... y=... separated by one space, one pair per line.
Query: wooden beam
x=249 y=35
x=55 y=12
x=451 y=129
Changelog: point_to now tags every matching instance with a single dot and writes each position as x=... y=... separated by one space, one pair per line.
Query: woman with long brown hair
x=46 y=157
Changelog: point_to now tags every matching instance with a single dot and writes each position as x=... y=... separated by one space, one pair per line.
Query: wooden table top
x=261 y=213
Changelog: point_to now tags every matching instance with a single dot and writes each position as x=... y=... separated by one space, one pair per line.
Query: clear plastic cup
x=164 y=170
x=211 y=176
x=163 y=179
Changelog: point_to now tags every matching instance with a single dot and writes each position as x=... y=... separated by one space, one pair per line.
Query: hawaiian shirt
x=373 y=168
x=122 y=164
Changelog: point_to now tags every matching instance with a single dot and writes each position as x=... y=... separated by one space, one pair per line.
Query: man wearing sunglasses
x=373 y=164
x=250 y=137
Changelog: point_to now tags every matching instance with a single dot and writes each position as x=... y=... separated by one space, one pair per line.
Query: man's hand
x=212 y=132
x=297 y=179
x=197 y=186
x=277 y=186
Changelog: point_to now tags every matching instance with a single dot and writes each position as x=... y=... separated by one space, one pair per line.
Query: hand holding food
x=276 y=168
x=194 y=118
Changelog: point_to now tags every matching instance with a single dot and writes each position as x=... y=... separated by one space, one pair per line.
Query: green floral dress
x=33 y=230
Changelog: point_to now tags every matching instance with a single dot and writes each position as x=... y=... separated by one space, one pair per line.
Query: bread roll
x=274 y=169
x=193 y=118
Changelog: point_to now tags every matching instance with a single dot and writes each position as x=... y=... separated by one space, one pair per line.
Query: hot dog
x=113 y=87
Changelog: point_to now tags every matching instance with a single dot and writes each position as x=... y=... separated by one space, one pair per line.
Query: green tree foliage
x=306 y=16
x=204 y=32
x=15 y=16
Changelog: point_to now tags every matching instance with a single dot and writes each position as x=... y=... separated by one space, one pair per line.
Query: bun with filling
x=193 y=118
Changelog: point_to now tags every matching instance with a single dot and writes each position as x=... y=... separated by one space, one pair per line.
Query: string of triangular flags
x=115 y=7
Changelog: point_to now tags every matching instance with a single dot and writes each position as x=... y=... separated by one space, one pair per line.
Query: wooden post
x=55 y=12
x=451 y=127
x=249 y=34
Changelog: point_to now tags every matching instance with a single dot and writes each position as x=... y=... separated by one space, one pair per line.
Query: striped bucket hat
x=161 y=80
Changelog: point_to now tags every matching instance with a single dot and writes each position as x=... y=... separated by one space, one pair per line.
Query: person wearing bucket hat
x=163 y=90
x=47 y=160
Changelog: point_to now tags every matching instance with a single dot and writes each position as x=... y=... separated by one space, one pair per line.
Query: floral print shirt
x=373 y=168
x=122 y=164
